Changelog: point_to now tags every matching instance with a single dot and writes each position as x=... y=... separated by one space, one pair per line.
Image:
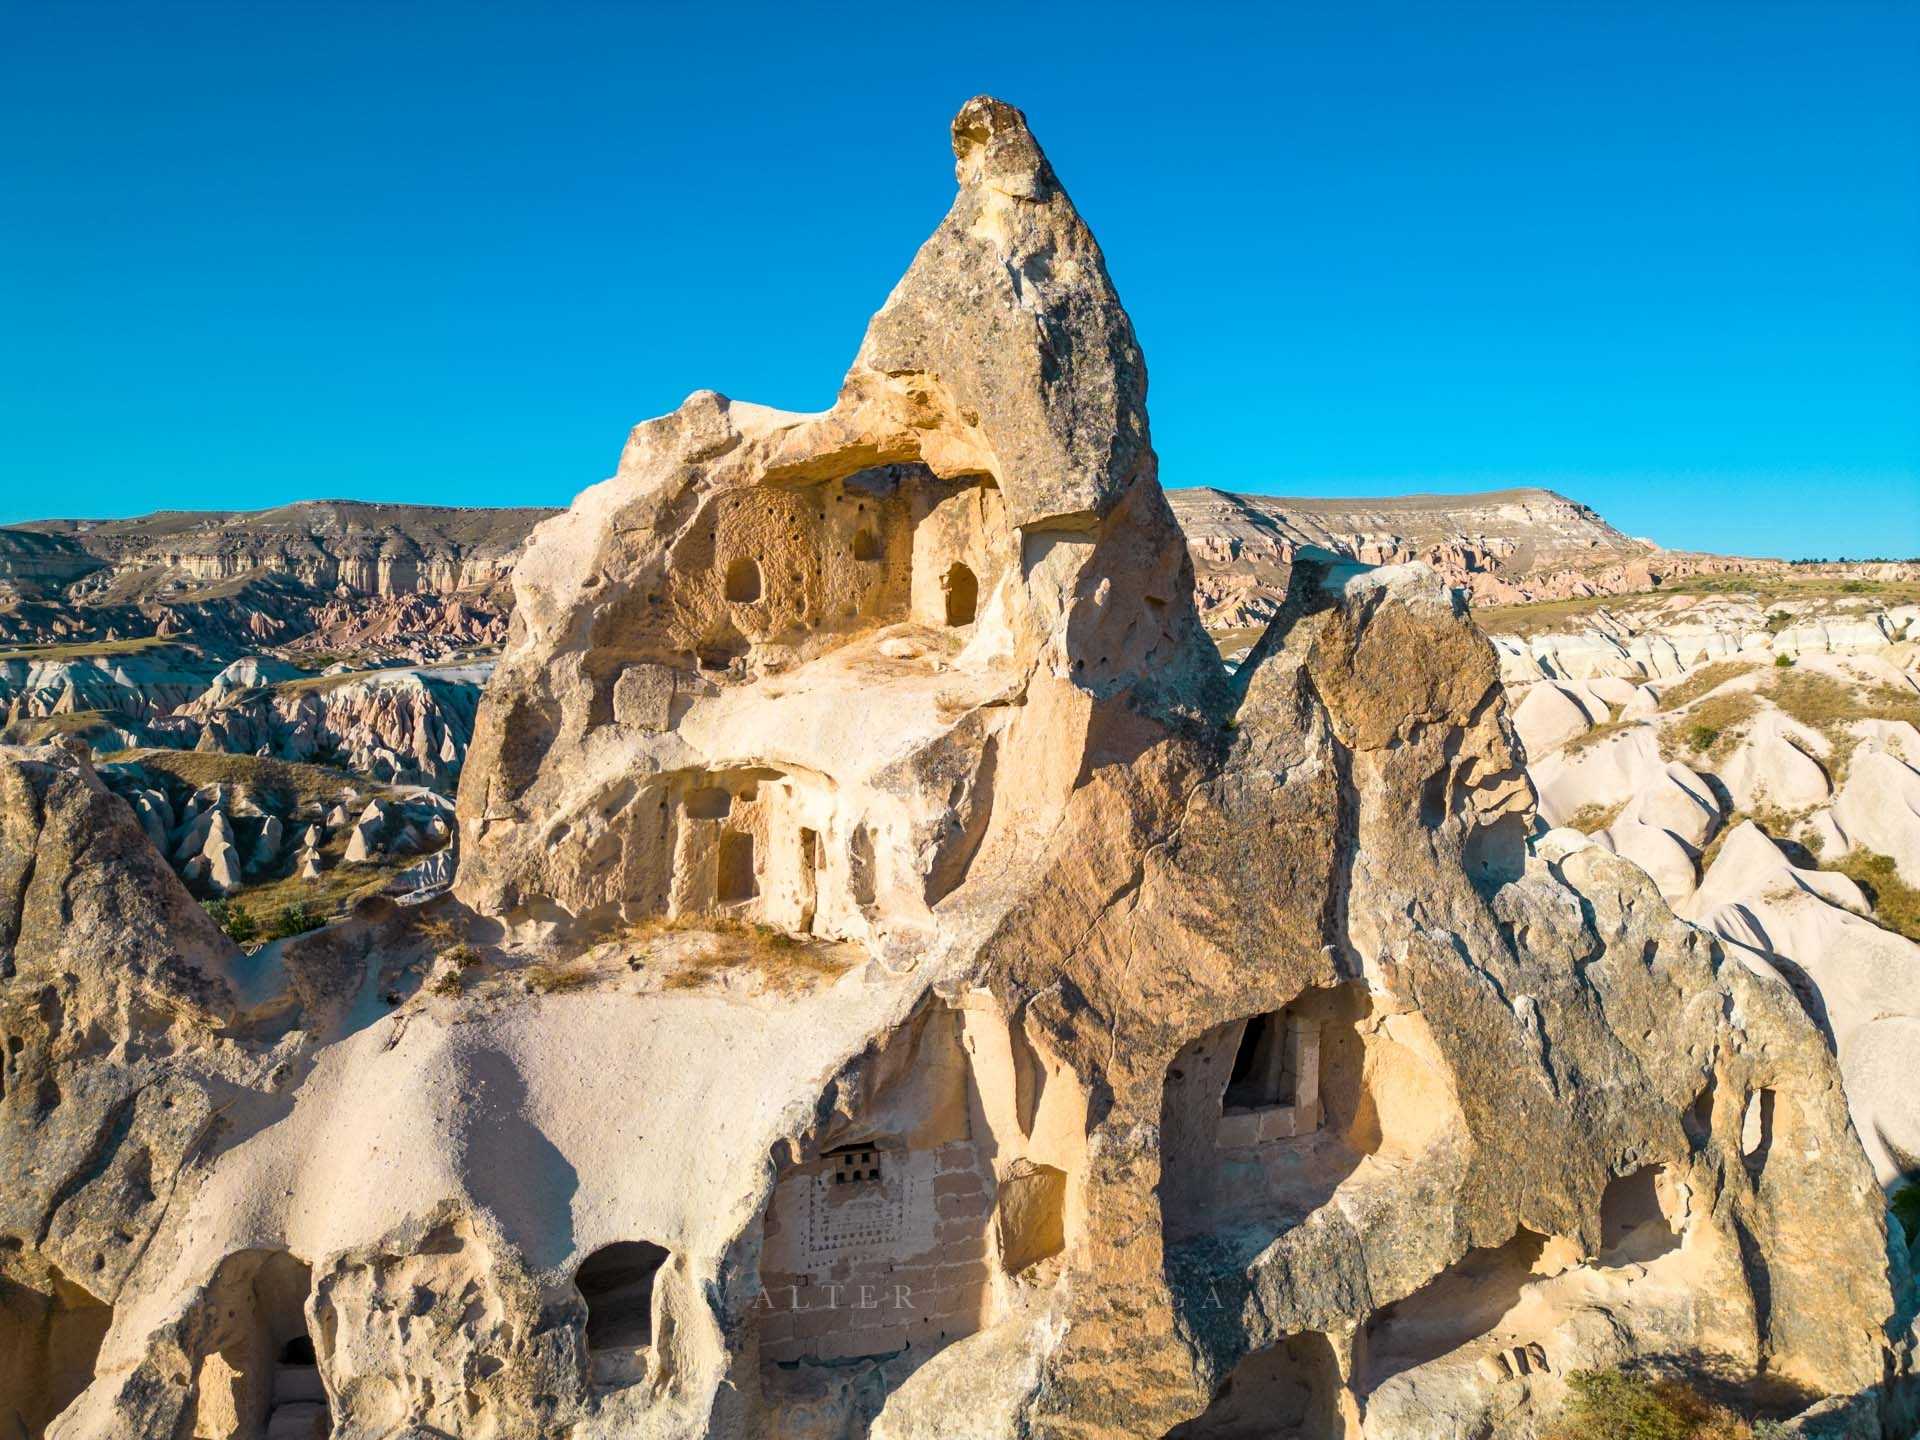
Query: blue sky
x=1663 y=257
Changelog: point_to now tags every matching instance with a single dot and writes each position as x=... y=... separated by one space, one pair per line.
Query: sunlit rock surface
x=897 y=983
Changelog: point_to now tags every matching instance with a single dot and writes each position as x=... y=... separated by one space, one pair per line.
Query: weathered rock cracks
x=897 y=983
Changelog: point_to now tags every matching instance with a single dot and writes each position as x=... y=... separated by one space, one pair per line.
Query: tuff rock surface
x=897 y=983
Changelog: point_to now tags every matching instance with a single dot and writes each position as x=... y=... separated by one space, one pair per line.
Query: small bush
x=1783 y=662
x=1711 y=727
x=233 y=918
x=295 y=918
x=550 y=980
x=1609 y=1405
x=441 y=932
x=1606 y=1405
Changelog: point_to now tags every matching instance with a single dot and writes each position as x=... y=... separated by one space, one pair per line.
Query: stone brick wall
x=857 y=1266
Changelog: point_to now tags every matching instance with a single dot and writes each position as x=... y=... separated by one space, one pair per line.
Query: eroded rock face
x=897 y=984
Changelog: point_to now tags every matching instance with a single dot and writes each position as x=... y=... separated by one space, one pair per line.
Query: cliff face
x=1503 y=547
x=366 y=548
x=415 y=575
x=898 y=985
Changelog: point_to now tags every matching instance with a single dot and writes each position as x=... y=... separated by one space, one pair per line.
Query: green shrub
x=1701 y=737
x=295 y=918
x=233 y=918
x=1783 y=662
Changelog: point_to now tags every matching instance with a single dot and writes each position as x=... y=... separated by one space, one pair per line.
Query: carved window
x=743 y=581
x=854 y=1165
x=1266 y=1066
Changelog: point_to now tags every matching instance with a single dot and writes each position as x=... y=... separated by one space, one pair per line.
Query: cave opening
x=962 y=589
x=735 y=882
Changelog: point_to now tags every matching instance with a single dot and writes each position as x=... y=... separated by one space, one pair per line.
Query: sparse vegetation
x=453 y=956
x=1590 y=819
x=1613 y=1405
x=293 y=782
x=96 y=727
x=1539 y=617
x=1783 y=662
x=1713 y=727
x=1778 y=825
x=557 y=979
x=313 y=684
x=1711 y=851
x=1703 y=682
x=1605 y=730
x=1896 y=904
x=1543 y=616
x=1830 y=706
x=337 y=890
x=294 y=918
x=243 y=926
x=783 y=961
x=235 y=919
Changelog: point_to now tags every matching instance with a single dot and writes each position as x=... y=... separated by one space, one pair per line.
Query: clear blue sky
x=1662 y=256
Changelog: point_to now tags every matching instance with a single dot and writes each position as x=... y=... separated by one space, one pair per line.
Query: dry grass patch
x=1591 y=819
x=1612 y=1405
x=1540 y=616
x=83 y=650
x=338 y=890
x=1711 y=729
x=296 y=782
x=1605 y=730
x=317 y=684
x=783 y=961
x=1895 y=903
x=1704 y=681
x=88 y=725
x=1830 y=706
x=558 y=979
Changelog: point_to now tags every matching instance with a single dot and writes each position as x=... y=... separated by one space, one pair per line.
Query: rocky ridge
x=421 y=579
x=1503 y=547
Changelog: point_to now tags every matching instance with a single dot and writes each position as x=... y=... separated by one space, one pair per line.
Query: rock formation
x=898 y=984
x=407 y=580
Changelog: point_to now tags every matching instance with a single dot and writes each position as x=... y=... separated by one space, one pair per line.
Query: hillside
x=423 y=578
